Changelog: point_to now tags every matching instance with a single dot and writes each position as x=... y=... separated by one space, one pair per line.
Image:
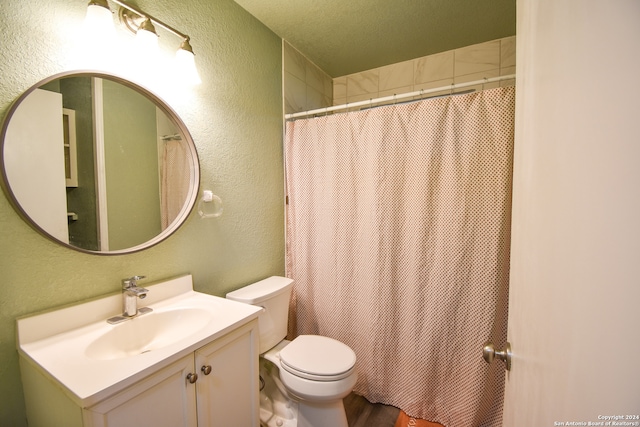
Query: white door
x=34 y=161
x=574 y=315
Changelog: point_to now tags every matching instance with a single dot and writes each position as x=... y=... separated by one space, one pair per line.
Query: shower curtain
x=398 y=229
x=174 y=178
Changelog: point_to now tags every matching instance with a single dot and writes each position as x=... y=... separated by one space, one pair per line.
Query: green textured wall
x=131 y=166
x=235 y=118
x=83 y=232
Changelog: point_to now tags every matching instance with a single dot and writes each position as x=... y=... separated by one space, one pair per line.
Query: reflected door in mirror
x=35 y=162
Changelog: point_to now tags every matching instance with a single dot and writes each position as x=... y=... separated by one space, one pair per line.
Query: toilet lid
x=318 y=358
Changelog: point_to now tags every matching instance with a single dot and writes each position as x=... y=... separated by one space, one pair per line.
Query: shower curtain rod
x=422 y=92
x=174 y=137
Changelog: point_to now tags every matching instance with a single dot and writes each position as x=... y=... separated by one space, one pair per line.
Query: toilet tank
x=272 y=294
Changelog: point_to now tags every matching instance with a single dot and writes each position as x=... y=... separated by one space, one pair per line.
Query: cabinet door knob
x=206 y=369
x=192 y=378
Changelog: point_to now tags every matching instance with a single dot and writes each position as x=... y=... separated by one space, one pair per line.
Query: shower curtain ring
x=452 y=86
x=484 y=82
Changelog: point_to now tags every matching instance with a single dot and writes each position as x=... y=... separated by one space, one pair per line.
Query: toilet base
x=311 y=414
x=276 y=408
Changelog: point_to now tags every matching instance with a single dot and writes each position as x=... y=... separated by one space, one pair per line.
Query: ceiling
x=348 y=36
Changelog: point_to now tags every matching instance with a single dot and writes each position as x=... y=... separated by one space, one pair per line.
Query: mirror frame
x=159 y=103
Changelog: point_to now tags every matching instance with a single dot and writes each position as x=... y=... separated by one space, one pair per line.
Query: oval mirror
x=98 y=164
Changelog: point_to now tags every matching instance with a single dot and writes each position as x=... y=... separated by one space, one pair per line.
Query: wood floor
x=362 y=413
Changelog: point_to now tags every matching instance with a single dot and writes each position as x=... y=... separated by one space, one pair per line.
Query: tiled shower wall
x=307 y=87
x=490 y=59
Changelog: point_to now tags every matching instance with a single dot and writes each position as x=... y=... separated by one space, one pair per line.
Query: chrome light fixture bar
x=142 y=24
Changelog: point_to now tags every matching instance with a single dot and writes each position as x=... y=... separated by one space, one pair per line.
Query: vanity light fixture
x=142 y=24
x=99 y=19
x=147 y=37
x=186 y=63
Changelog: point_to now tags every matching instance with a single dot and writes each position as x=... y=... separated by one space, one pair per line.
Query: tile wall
x=306 y=86
x=490 y=59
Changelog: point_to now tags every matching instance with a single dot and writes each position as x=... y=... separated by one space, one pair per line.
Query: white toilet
x=314 y=373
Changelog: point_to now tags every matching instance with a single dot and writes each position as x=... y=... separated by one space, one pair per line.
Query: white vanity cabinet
x=165 y=398
x=227 y=385
x=192 y=361
x=215 y=386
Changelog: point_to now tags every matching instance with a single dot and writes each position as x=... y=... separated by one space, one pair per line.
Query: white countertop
x=56 y=342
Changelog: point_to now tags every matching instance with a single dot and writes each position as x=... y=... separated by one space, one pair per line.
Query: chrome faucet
x=130 y=294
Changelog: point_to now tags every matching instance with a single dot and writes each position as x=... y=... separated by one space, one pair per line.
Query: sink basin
x=147 y=333
x=77 y=349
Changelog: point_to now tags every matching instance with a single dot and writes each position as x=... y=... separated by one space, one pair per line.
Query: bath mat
x=405 y=420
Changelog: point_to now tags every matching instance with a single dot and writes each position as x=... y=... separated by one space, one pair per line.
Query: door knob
x=489 y=353
x=192 y=378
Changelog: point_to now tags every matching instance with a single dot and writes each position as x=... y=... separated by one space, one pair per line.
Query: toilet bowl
x=313 y=371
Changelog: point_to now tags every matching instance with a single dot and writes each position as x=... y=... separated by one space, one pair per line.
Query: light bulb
x=147 y=38
x=98 y=22
x=186 y=65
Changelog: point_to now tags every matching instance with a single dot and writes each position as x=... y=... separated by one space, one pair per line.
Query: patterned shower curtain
x=398 y=230
x=174 y=180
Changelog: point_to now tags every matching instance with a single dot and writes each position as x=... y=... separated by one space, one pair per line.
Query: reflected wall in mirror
x=98 y=163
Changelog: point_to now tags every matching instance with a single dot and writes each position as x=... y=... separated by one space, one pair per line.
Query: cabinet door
x=228 y=395
x=164 y=399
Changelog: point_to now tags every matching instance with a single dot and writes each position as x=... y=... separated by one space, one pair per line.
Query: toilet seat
x=318 y=358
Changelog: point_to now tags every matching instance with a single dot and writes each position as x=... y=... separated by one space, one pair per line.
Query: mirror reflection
x=98 y=163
